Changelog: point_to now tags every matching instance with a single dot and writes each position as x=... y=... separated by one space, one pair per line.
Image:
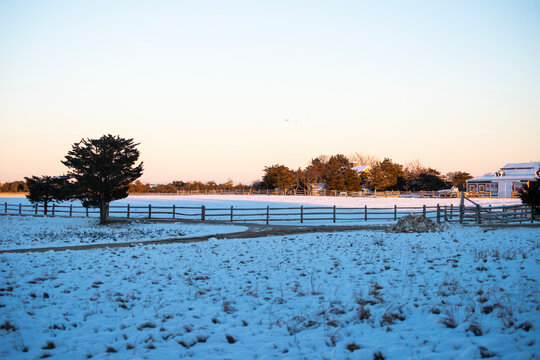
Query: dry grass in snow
x=461 y=293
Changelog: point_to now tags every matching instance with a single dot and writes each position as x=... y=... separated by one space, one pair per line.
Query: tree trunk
x=103 y=212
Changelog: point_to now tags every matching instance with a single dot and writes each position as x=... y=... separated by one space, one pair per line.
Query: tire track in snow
x=252 y=232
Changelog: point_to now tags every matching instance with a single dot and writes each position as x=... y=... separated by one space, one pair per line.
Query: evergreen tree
x=340 y=175
x=47 y=189
x=277 y=176
x=427 y=181
x=459 y=179
x=103 y=169
x=386 y=175
x=530 y=195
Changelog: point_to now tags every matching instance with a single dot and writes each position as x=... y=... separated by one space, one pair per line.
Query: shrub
x=530 y=195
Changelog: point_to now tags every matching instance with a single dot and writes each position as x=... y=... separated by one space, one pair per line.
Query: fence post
x=53 y=205
x=395 y=212
x=128 y=211
x=478 y=220
x=232 y=214
x=267 y=215
x=334 y=214
x=203 y=213
x=532 y=215
x=445 y=213
x=149 y=211
x=20 y=208
x=36 y=209
x=301 y=214
x=70 y=210
x=424 y=211
x=87 y=211
x=438 y=214
x=451 y=210
x=365 y=212
x=5 y=207
x=461 y=206
x=174 y=211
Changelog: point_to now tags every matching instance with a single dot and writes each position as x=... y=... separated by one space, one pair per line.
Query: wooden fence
x=292 y=192
x=297 y=214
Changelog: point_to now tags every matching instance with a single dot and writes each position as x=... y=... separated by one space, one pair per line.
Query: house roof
x=361 y=168
x=512 y=171
x=529 y=165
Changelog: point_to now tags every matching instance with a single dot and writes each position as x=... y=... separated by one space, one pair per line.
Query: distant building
x=360 y=168
x=507 y=181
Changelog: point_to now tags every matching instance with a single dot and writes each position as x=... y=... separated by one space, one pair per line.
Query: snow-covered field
x=22 y=232
x=463 y=293
x=257 y=200
x=283 y=210
x=250 y=201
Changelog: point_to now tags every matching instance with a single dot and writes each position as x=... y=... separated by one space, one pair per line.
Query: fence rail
x=299 y=214
x=298 y=192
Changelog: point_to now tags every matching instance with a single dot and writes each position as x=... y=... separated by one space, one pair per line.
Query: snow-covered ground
x=282 y=210
x=251 y=201
x=463 y=293
x=21 y=232
x=256 y=201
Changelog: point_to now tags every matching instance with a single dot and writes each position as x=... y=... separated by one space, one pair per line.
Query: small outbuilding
x=507 y=181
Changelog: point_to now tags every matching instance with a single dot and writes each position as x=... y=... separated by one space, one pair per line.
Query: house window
x=516 y=186
x=481 y=188
x=472 y=187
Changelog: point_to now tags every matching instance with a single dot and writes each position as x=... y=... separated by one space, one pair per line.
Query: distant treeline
x=335 y=172
x=14 y=186
x=359 y=172
x=172 y=188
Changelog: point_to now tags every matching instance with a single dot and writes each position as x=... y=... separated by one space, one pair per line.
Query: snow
x=255 y=201
x=226 y=201
x=284 y=210
x=22 y=232
x=333 y=296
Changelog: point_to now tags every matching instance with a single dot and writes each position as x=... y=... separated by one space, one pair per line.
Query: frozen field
x=281 y=210
x=463 y=293
x=226 y=201
x=27 y=232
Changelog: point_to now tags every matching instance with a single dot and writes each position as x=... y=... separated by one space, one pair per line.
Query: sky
x=216 y=90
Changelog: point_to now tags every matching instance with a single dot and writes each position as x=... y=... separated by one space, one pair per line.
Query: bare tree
x=363 y=159
x=414 y=168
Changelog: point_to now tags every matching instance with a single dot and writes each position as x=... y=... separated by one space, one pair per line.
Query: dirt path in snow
x=253 y=231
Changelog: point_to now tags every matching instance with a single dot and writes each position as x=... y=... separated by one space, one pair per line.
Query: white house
x=507 y=181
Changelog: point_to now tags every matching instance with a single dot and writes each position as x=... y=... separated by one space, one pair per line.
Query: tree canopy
x=459 y=179
x=103 y=170
x=277 y=176
x=530 y=195
x=47 y=189
x=386 y=175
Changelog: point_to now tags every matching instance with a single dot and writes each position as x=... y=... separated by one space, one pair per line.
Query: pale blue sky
x=215 y=90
